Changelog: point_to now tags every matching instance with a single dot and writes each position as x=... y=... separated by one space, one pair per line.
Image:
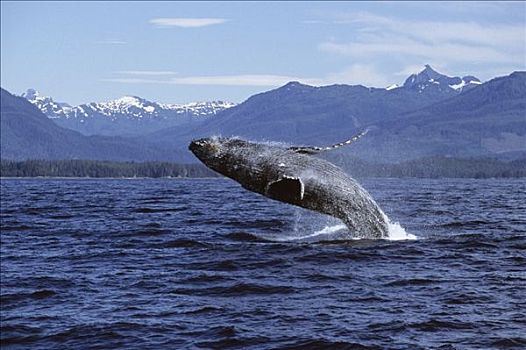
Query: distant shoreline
x=226 y=178
x=109 y=178
x=426 y=168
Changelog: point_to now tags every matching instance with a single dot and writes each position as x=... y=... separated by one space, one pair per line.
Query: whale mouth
x=197 y=144
x=203 y=148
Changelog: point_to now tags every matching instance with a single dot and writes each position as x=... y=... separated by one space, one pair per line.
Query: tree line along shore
x=438 y=167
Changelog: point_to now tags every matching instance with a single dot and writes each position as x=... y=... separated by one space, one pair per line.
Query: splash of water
x=398 y=233
x=334 y=228
x=307 y=228
x=395 y=232
x=327 y=230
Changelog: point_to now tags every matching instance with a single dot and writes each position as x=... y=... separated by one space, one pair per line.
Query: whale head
x=228 y=156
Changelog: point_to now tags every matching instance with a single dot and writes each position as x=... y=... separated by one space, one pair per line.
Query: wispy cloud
x=413 y=68
x=147 y=72
x=432 y=52
x=186 y=22
x=225 y=80
x=354 y=74
x=357 y=74
x=111 y=42
x=437 y=41
x=135 y=80
x=236 y=80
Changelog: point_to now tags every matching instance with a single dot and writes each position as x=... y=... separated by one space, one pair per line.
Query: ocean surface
x=204 y=264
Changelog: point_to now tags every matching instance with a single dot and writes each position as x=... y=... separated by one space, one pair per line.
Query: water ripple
x=188 y=264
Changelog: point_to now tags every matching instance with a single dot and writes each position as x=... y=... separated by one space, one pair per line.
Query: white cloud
x=411 y=69
x=135 y=80
x=236 y=80
x=112 y=42
x=313 y=21
x=225 y=80
x=363 y=74
x=437 y=41
x=355 y=74
x=186 y=22
x=442 y=52
x=147 y=72
x=434 y=31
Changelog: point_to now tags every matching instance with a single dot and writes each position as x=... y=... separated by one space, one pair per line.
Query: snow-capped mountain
x=131 y=115
x=128 y=115
x=133 y=107
x=404 y=122
x=46 y=104
x=430 y=78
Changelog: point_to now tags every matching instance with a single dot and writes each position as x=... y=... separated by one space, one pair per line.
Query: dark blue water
x=183 y=264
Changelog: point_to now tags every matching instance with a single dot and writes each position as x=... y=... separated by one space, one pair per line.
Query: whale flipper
x=287 y=189
x=315 y=150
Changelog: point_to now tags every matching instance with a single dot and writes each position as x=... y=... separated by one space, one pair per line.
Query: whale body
x=296 y=176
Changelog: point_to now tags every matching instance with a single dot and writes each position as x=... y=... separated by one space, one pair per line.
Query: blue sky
x=179 y=52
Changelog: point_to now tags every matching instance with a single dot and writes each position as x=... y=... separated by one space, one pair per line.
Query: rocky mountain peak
x=429 y=77
x=31 y=94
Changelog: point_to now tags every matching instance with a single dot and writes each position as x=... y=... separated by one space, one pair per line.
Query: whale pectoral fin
x=287 y=189
x=315 y=150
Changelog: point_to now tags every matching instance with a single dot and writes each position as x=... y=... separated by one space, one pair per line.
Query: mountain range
x=26 y=133
x=128 y=115
x=430 y=77
x=427 y=116
x=486 y=121
x=431 y=114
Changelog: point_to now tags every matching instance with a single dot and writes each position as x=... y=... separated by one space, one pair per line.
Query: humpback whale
x=295 y=175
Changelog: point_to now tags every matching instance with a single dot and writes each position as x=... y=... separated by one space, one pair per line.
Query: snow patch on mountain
x=126 y=107
x=429 y=77
x=467 y=82
x=46 y=104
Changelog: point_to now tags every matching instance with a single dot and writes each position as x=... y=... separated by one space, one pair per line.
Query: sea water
x=188 y=263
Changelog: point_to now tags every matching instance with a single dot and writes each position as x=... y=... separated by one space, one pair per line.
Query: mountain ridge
x=127 y=115
x=294 y=111
x=430 y=77
x=405 y=123
x=26 y=133
x=133 y=115
x=486 y=120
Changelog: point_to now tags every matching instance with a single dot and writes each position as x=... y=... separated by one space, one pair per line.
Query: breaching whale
x=296 y=176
